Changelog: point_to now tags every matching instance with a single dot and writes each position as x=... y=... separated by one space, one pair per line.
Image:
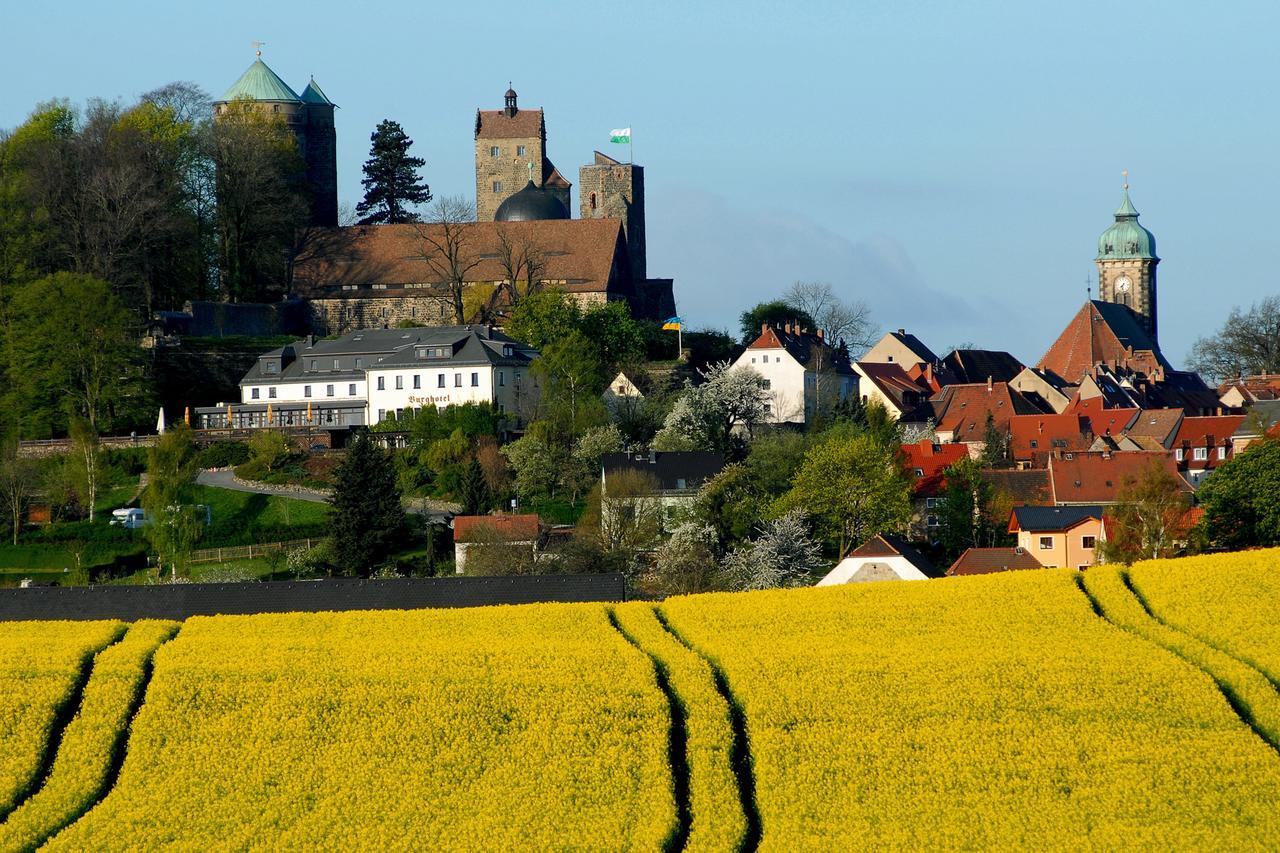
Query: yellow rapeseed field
x=718 y=822
x=1228 y=600
x=495 y=728
x=85 y=753
x=990 y=712
x=40 y=663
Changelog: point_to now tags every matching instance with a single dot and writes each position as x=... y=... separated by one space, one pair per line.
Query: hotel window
x=351 y=390
x=1088 y=542
x=271 y=392
x=313 y=364
x=336 y=364
x=382 y=383
x=306 y=390
x=765 y=359
x=399 y=383
x=417 y=382
x=440 y=381
x=1046 y=543
x=1222 y=453
x=253 y=393
x=382 y=414
x=502 y=378
x=457 y=380
x=328 y=390
x=1202 y=453
x=475 y=380
x=359 y=363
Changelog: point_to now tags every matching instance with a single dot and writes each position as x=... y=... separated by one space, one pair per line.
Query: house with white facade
x=799 y=368
x=369 y=376
x=881 y=558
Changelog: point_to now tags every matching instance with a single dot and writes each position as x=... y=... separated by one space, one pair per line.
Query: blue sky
x=950 y=163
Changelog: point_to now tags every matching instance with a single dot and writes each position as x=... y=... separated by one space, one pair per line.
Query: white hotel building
x=371 y=375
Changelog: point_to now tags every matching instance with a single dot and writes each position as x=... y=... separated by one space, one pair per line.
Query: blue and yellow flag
x=672 y=325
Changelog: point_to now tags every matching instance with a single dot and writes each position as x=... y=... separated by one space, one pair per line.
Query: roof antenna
x=257 y=47
x=1125 y=174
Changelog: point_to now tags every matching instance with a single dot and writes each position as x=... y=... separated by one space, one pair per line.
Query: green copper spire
x=1126 y=238
x=313 y=94
x=260 y=83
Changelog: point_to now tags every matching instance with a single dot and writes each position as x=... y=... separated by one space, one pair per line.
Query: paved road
x=437 y=511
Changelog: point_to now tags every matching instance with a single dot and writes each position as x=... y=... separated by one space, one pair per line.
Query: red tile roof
x=809 y=349
x=489 y=528
x=930 y=460
x=961 y=410
x=496 y=124
x=1160 y=424
x=1101 y=333
x=1029 y=486
x=1098 y=478
x=581 y=255
x=983 y=561
x=1101 y=421
x=1207 y=432
x=1035 y=437
x=896 y=384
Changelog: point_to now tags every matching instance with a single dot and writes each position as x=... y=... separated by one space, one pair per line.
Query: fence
x=248 y=552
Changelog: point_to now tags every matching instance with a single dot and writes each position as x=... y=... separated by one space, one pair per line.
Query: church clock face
x=1123 y=284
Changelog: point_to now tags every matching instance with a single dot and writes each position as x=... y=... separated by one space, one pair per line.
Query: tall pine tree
x=367 y=517
x=391 y=183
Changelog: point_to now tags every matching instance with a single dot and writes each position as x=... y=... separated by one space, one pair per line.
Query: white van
x=130 y=518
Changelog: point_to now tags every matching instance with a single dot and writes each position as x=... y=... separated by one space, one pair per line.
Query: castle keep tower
x=508 y=142
x=309 y=116
x=614 y=190
x=1127 y=265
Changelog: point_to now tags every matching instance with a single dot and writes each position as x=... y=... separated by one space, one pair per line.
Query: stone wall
x=610 y=190
x=339 y=316
x=509 y=167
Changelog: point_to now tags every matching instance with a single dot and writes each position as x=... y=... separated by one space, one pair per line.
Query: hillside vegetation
x=1042 y=709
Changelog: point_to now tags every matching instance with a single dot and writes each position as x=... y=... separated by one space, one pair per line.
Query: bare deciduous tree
x=19 y=480
x=839 y=320
x=1247 y=344
x=522 y=259
x=448 y=251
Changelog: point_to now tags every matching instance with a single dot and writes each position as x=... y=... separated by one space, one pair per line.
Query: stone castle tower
x=508 y=142
x=610 y=189
x=310 y=117
x=1127 y=265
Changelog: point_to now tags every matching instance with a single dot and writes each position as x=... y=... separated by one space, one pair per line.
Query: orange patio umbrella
x=268 y=414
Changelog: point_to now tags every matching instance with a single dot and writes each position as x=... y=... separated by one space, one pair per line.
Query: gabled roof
x=1098 y=478
x=1158 y=424
x=1028 y=486
x=888 y=545
x=1035 y=437
x=931 y=461
x=551 y=177
x=1051 y=519
x=967 y=366
x=581 y=256
x=961 y=410
x=984 y=561
x=1261 y=417
x=1101 y=420
x=496 y=528
x=917 y=346
x=894 y=383
x=496 y=124
x=1102 y=333
x=674 y=470
x=1214 y=431
x=809 y=349
x=260 y=83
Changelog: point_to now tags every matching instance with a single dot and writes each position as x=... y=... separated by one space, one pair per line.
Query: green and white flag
x=620 y=134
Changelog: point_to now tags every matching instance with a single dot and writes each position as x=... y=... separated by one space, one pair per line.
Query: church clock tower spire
x=1127 y=264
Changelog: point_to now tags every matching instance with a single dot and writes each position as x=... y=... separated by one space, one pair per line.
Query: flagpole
x=631 y=144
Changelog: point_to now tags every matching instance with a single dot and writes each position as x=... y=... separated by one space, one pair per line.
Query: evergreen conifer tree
x=474 y=492
x=367 y=517
x=391 y=183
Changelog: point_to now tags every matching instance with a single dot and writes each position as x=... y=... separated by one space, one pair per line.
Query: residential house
x=973 y=366
x=799 y=368
x=621 y=391
x=903 y=396
x=1090 y=479
x=1034 y=438
x=881 y=558
x=985 y=561
x=1046 y=390
x=475 y=532
x=900 y=348
x=1059 y=536
x=960 y=412
x=1025 y=487
x=677 y=476
x=1247 y=390
x=1203 y=443
x=925 y=464
x=1262 y=419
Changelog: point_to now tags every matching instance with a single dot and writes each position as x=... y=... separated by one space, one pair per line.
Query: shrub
x=223 y=454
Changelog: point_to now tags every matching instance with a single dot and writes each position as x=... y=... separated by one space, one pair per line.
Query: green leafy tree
x=971 y=514
x=391 y=183
x=852 y=488
x=732 y=504
x=1150 y=520
x=588 y=450
x=367 y=519
x=74 y=352
x=570 y=378
x=618 y=338
x=543 y=318
x=537 y=465
x=85 y=462
x=1239 y=499
x=173 y=523
x=778 y=312
x=996 y=445
x=19 y=481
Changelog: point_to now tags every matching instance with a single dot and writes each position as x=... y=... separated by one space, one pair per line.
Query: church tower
x=1127 y=265
x=511 y=151
x=308 y=116
x=613 y=190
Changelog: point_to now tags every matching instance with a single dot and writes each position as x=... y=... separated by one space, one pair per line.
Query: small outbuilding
x=984 y=561
x=882 y=558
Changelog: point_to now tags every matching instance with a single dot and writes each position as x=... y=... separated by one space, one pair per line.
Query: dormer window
x=270 y=366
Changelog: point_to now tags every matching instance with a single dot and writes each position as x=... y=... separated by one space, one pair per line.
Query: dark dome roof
x=511 y=93
x=531 y=204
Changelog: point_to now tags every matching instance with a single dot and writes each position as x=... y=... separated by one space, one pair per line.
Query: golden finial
x=1125 y=174
x=257 y=48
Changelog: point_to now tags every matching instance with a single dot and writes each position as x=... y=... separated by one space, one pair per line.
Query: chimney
x=989 y=385
x=764 y=327
x=902 y=331
x=787 y=328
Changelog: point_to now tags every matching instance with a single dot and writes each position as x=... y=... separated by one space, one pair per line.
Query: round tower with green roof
x=309 y=116
x=1127 y=265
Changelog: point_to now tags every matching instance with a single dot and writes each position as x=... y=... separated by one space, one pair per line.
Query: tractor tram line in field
x=1249 y=693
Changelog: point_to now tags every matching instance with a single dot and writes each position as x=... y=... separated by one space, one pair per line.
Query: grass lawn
x=243 y=518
